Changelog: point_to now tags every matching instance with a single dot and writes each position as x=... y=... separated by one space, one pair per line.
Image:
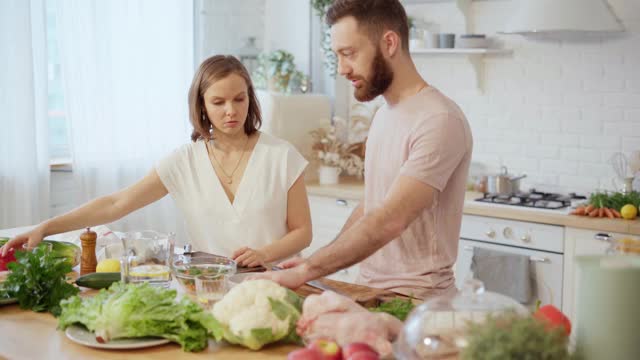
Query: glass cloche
x=436 y=329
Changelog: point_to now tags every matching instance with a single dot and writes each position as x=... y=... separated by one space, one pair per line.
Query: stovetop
x=533 y=199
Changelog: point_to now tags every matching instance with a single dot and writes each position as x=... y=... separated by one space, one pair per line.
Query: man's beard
x=381 y=78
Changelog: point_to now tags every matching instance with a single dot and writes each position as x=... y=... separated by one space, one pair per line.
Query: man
x=405 y=232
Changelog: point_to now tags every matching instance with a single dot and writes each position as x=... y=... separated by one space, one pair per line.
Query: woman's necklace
x=230 y=176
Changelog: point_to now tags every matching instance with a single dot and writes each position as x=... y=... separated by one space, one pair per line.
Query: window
x=59 y=137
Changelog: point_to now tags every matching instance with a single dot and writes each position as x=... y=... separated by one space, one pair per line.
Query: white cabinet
x=580 y=242
x=328 y=215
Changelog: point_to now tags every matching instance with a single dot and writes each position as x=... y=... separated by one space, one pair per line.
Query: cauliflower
x=257 y=312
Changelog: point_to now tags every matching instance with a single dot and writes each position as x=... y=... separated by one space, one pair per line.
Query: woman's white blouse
x=258 y=214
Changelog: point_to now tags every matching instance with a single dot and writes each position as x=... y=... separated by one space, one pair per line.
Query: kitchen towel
x=505 y=273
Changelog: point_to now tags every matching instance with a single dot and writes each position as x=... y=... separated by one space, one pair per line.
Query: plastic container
x=608 y=315
x=471 y=41
x=447 y=41
x=437 y=328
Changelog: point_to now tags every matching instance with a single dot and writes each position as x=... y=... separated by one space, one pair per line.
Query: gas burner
x=533 y=199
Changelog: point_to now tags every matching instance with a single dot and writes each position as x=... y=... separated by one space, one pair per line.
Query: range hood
x=545 y=16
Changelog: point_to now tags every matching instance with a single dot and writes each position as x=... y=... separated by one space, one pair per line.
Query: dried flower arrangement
x=330 y=150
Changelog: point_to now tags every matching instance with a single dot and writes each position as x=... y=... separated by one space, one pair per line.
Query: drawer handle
x=341 y=202
x=532 y=258
x=603 y=237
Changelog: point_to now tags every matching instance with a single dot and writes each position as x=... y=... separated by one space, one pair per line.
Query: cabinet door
x=581 y=242
x=328 y=215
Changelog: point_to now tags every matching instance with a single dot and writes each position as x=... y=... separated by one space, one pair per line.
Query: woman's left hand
x=248 y=257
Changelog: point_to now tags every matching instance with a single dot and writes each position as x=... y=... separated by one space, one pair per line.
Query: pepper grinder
x=89 y=261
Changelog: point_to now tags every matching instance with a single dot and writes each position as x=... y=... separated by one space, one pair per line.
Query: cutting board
x=363 y=295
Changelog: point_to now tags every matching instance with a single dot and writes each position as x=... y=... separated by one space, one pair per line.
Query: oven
x=544 y=244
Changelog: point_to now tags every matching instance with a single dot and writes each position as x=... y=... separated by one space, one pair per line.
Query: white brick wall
x=557 y=109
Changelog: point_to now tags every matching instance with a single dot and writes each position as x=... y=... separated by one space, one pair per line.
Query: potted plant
x=330 y=59
x=334 y=155
x=277 y=72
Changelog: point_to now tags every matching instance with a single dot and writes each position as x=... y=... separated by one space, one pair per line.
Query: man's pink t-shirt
x=425 y=137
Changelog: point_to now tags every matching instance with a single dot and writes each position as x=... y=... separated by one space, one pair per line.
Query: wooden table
x=26 y=335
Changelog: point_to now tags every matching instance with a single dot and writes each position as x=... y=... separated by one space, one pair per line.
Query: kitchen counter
x=25 y=334
x=350 y=188
x=21 y=329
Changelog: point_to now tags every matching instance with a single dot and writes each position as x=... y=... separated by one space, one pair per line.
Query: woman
x=241 y=191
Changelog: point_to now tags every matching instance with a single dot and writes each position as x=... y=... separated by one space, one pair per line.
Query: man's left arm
x=407 y=198
x=436 y=151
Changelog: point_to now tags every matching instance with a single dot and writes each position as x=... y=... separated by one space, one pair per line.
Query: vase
x=328 y=175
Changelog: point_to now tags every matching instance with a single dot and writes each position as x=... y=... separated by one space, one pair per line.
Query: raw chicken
x=333 y=316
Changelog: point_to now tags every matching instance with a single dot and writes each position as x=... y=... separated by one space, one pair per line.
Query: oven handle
x=531 y=258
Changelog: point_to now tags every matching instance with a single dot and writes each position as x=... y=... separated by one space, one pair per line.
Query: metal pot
x=503 y=183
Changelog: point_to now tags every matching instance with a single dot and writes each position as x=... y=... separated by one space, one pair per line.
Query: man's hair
x=374 y=17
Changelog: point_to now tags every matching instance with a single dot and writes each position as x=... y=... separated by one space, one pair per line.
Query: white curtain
x=126 y=69
x=24 y=158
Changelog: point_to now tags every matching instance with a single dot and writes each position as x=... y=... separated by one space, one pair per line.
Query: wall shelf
x=475 y=57
x=462 y=51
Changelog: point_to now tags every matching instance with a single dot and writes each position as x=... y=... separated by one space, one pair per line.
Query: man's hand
x=291 y=263
x=248 y=257
x=291 y=278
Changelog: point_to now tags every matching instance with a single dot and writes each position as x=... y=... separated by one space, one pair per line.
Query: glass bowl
x=436 y=329
x=185 y=270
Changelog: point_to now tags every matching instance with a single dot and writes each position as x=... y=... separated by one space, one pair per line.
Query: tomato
x=554 y=318
x=8 y=258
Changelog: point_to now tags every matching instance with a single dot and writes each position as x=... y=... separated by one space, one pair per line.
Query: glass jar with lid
x=436 y=329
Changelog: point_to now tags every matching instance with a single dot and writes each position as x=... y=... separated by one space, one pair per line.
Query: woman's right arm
x=99 y=211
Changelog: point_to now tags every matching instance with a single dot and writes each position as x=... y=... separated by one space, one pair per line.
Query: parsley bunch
x=38 y=281
x=397 y=307
x=615 y=200
x=510 y=336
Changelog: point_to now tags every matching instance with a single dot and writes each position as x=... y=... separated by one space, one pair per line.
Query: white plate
x=8 y=301
x=3 y=277
x=81 y=335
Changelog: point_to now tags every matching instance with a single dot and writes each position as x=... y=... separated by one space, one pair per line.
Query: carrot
x=608 y=212
x=578 y=211
x=600 y=212
x=589 y=209
x=616 y=213
x=594 y=213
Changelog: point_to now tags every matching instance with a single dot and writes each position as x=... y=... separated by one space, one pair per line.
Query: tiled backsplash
x=557 y=108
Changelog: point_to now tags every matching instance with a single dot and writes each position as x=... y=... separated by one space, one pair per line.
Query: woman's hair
x=211 y=70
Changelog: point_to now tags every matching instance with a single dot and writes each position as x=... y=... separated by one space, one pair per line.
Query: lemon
x=629 y=212
x=108 y=265
x=150 y=271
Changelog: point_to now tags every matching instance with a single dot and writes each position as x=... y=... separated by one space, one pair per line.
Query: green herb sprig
x=38 y=281
x=399 y=308
x=614 y=200
x=510 y=336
